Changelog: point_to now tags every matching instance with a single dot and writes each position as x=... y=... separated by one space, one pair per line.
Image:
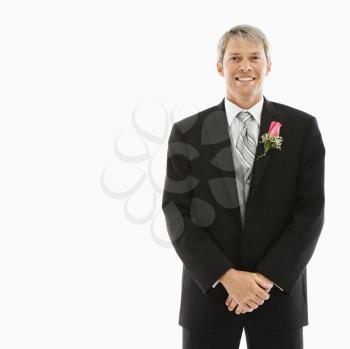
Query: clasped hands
x=246 y=290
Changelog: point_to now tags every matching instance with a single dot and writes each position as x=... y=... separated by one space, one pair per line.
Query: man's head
x=244 y=61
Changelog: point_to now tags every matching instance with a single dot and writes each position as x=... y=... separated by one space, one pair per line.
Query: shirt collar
x=233 y=109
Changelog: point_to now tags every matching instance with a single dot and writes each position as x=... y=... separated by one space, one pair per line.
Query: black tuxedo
x=283 y=220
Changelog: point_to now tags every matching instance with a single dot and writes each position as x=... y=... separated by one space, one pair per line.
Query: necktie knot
x=245 y=117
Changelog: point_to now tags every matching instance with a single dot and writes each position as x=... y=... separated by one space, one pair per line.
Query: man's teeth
x=245 y=79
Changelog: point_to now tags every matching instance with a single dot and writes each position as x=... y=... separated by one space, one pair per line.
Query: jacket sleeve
x=287 y=258
x=199 y=253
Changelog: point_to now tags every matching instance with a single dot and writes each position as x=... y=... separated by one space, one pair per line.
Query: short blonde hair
x=243 y=31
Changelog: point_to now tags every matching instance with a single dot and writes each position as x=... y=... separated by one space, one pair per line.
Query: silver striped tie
x=245 y=144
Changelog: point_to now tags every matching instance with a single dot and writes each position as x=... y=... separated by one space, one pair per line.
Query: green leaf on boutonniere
x=269 y=142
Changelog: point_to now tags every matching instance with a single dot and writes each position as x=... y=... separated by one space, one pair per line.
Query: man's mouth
x=245 y=78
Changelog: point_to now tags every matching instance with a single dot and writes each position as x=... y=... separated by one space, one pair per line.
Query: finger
x=262 y=294
x=246 y=309
x=258 y=300
x=263 y=281
x=228 y=300
x=232 y=305
x=241 y=309
x=268 y=289
x=252 y=306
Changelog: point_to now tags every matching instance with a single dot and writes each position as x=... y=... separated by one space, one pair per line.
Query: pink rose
x=274 y=128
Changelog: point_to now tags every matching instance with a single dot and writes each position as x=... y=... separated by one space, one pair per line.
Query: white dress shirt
x=235 y=128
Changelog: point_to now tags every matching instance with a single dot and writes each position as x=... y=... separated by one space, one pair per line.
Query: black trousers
x=257 y=338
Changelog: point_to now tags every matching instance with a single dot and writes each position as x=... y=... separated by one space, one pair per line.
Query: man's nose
x=245 y=66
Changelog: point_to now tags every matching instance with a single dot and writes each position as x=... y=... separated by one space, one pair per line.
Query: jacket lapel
x=268 y=114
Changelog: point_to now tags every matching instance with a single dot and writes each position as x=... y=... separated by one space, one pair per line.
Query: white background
x=75 y=270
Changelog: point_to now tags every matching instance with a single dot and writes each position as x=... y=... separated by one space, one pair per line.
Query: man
x=244 y=207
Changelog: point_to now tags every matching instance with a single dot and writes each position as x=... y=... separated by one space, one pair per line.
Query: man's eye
x=234 y=58
x=256 y=57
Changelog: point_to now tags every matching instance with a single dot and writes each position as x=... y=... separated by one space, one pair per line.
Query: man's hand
x=245 y=289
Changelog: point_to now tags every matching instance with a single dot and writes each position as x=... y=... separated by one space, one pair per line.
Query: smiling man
x=244 y=65
x=244 y=207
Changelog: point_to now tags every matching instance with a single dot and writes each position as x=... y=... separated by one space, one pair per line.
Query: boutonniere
x=272 y=138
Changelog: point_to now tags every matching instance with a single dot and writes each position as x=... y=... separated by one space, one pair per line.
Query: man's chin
x=247 y=93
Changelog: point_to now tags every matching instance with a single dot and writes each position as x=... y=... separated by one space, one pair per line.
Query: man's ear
x=220 y=68
x=268 y=68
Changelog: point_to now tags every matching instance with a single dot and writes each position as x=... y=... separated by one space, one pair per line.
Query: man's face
x=244 y=68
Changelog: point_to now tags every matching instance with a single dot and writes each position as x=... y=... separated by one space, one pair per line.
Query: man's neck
x=244 y=103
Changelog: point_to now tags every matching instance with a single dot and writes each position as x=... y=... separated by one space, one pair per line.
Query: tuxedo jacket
x=283 y=219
